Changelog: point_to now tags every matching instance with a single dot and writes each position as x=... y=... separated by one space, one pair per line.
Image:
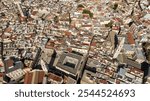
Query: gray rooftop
x=67 y=68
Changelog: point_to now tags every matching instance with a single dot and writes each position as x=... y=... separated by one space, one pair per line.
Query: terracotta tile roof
x=0 y=35
x=69 y=49
x=116 y=19
x=86 y=25
x=28 y=78
x=115 y=27
x=9 y=29
x=9 y=62
x=41 y=75
x=54 y=77
x=103 y=81
x=1 y=74
x=135 y=70
x=93 y=44
x=30 y=19
x=13 y=37
x=130 y=38
x=67 y=33
x=34 y=12
x=21 y=19
x=1 y=65
x=32 y=34
x=50 y=44
x=117 y=81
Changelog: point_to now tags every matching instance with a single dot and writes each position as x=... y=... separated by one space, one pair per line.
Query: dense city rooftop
x=75 y=41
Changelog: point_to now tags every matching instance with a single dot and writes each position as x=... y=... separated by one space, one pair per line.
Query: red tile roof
x=54 y=77
x=1 y=74
x=130 y=38
x=34 y=12
x=67 y=33
x=28 y=78
x=69 y=49
x=9 y=29
x=93 y=44
x=117 y=81
x=103 y=81
x=50 y=44
x=86 y=25
x=134 y=69
x=9 y=62
x=115 y=27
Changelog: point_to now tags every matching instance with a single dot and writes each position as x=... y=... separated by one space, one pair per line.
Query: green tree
x=115 y=6
x=80 y=5
x=110 y=24
x=56 y=19
x=77 y=0
x=88 y=12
